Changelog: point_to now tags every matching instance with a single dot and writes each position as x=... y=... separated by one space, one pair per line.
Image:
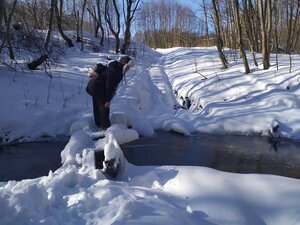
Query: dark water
x=239 y=154
x=29 y=160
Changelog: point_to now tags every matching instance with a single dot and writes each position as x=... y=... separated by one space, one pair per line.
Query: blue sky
x=193 y=3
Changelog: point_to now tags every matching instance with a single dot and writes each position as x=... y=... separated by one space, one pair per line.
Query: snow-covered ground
x=223 y=101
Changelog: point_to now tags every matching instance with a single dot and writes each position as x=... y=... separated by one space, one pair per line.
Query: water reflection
x=29 y=160
x=231 y=153
x=240 y=154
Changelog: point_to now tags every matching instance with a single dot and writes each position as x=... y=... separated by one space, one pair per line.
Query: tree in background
x=51 y=17
x=7 y=21
x=131 y=8
x=264 y=9
x=292 y=12
x=168 y=24
x=59 y=16
x=262 y=26
x=248 y=17
x=83 y=7
x=206 y=20
x=2 y=9
x=96 y=12
x=240 y=39
x=112 y=17
x=216 y=14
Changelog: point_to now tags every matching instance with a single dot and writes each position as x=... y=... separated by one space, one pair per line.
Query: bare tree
x=112 y=17
x=206 y=20
x=249 y=30
x=100 y=12
x=289 y=19
x=293 y=31
x=7 y=37
x=218 y=34
x=96 y=13
x=296 y=29
x=264 y=9
x=48 y=36
x=230 y=31
x=77 y=20
x=269 y=13
x=83 y=6
x=131 y=7
x=276 y=17
x=91 y=8
x=35 y=63
x=2 y=10
x=239 y=31
x=166 y=24
x=59 y=14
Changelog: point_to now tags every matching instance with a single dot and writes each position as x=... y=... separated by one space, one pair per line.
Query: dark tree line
x=258 y=26
x=29 y=17
x=165 y=24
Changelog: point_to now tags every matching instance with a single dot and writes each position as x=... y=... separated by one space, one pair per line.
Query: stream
x=230 y=153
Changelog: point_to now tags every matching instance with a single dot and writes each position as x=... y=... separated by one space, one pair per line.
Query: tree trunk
x=296 y=28
x=97 y=20
x=76 y=17
x=47 y=40
x=81 y=23
x=127 y=37
x=206 y=22
x=289 y=14
x=115 y=30
x=218 y=33
x=269 y=28
x=58 y=13
x=239 y=31
x=294 y=32
x=127 y=33
x=2 y=10
x=276 y=30
x=7 y=37
x=264 y=42
x=131 y=7
x=249 y=31
x=102 y=30
x=92 y=11
x=254 y=21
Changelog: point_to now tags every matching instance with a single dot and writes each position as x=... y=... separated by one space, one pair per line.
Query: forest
x=256 y=26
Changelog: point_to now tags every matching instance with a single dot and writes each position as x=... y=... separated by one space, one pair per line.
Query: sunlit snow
x=34 y=107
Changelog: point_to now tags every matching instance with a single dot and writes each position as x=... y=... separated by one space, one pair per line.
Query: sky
x=228 y=101
x=193 y=4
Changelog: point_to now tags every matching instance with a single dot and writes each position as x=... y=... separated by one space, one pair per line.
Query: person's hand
x=92 y=73
x=107 y=104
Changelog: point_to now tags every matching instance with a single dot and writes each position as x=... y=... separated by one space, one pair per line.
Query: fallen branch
x=205 y=78
x=34 y=64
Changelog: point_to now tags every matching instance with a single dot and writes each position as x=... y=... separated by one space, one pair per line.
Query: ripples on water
x=231 y=153
x=239 y=154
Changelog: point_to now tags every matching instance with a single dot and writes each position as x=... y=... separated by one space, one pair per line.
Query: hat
x=124 y=59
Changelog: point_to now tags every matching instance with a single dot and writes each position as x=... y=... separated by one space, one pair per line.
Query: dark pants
x=101 y=113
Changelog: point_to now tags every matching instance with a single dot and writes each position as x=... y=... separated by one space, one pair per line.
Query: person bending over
x=102 y=86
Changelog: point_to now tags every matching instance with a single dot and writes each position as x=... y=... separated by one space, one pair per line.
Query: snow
x=35 y=107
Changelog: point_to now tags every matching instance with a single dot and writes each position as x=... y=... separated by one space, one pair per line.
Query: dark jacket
x=104 y=86
x=96 y=87
x=114 y=75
